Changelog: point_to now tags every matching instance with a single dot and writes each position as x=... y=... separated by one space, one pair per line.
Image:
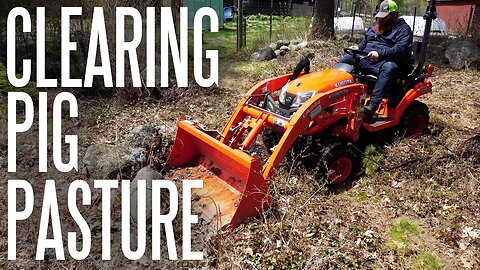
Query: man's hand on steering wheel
x=354 y=52
x=373 y=55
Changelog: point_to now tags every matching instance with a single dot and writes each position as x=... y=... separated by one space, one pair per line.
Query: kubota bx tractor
x=319 y=108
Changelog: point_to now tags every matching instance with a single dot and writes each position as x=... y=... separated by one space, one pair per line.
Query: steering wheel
x=355 y=54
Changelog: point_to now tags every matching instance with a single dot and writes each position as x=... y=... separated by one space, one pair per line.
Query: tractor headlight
x=302 y=98
x=283 y=93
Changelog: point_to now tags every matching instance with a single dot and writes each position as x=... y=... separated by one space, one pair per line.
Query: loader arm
x=236 y=186
x=255 y=95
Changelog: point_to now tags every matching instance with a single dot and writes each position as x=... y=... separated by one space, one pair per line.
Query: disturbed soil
x=413 y=206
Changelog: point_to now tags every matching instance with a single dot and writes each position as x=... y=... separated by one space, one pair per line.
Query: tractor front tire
x=339 y=163
x=414 y=122
x=270 y=139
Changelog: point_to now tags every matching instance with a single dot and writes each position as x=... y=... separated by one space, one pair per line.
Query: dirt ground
x=417 y=210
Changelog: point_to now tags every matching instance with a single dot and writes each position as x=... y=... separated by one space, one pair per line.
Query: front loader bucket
x=233 y=186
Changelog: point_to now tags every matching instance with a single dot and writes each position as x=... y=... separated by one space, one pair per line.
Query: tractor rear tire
x=414 y=122
x=339 y=163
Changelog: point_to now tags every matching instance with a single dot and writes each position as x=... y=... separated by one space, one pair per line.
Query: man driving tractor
x=388 y=43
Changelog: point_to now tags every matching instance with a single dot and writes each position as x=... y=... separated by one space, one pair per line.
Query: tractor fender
x=418 y=90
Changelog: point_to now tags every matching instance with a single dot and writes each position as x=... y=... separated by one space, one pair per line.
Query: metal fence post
x=414 y=18
x=353 y=21
x=469 y=19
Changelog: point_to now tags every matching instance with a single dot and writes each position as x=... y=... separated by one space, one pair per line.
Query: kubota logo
x=338 y=94
x=343 y=83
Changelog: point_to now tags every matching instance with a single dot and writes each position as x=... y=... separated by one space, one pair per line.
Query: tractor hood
x=320 y=81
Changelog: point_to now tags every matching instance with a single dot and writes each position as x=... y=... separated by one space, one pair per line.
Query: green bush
x=371 y=160
x=6 y=86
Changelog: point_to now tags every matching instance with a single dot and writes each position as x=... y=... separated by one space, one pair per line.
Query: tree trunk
x=240 y=25
x=176 y=4
x=323 y=19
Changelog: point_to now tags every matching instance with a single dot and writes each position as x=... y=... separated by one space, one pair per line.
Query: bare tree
x=322 y=26
x=176 y=4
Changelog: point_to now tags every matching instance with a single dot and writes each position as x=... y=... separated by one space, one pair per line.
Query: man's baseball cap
x=386 y=7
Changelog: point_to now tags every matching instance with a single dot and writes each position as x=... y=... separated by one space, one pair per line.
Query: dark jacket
x=394 y=45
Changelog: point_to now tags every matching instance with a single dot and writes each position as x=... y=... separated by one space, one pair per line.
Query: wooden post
x=244 y=25
x=271 y=22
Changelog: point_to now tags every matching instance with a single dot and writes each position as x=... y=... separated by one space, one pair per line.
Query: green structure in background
x=194 y=5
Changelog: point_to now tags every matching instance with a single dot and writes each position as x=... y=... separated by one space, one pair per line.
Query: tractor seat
x=395 y=91
x=406 y=67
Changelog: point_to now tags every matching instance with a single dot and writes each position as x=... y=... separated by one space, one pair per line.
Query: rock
x=141 y=136
x=302 y=45
x=281 y=43
x=148 y=174
x=282 y=53
x=142 y=145
x=277 y=52
x=461 y=53
x=316 y=44
x=293 y=47
x=284 y=48
x=447 y=43
x=297 y=41
x=99 y=161
x=137 y=156
x=163 y=128
x=266 y=54
x=274 y=46
x=110 y=161
x=255 y=56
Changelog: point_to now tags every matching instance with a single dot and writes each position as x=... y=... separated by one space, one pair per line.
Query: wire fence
x=355 y=16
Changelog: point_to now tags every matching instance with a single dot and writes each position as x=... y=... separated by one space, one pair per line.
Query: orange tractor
x=321 y=107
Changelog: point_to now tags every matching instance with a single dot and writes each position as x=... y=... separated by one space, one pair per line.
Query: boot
x=368 y=113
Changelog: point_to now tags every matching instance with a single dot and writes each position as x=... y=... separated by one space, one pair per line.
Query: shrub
x=6 y=86
x=371 y=159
